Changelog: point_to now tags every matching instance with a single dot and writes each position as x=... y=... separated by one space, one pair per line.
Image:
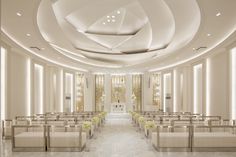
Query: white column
x=107 y=106
x=128 y=88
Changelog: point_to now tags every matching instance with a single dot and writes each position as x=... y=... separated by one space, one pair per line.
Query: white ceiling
x=113 y=35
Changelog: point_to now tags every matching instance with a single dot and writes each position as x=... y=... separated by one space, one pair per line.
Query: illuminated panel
x=233 y=84
x=69 y=92
x=38 y=88
x=61 y=90
x=175 y=92
x=197 y=88
x=166 y=91
x=208 y=87
x=3 y=82
x=28 y=79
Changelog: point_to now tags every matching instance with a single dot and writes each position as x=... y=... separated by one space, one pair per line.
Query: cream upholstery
x=66 y=139
x=177 y=139
x=214 y=139
x=29 y=139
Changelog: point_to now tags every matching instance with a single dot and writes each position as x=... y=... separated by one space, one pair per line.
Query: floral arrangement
x=95 y=120
x=86 y=125
x=149 y=124
x=141 y=120
x=136 y=115
x=104 y=114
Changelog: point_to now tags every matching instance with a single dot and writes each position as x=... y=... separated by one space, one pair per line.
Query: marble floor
x=118 y=138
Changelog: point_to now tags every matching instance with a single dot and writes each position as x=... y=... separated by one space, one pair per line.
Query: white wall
x=16 y=84
x=219 y=84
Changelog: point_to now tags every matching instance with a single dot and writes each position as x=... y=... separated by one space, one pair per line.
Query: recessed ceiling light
x=194 y=49
x=108 y=16
x=113 y=20
x=118 y=12
x=113 y=16
x=28 y=34
x=18 y=14
x=108 y=20
x=208 y=34
x=218 y=14
x=104 y=23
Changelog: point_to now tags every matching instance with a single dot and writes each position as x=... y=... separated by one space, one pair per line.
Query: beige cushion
x=214 y=139
x=29 y=139
x=66 y=139
x=177 y=139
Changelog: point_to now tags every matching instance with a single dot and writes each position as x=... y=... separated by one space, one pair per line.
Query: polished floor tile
x=117 y=138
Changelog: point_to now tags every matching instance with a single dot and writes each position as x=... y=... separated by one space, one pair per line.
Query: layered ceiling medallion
x=117 y=33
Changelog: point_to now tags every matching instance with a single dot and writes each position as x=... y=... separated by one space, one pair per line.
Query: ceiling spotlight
x=18 y=14
x=208 y=34
x=28 y=34
x=118 y=12
x=113 y=20
x=108 y=20
x=108 y=16
x=113 y=16
x=218 y=14
x=104 y=23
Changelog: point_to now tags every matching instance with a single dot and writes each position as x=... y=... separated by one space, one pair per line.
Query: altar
x=118 y=107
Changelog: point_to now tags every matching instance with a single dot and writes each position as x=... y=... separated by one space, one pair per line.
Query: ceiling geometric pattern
x=118 y=35
x=117 y=32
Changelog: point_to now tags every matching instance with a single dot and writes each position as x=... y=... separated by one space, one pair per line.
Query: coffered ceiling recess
x=105 y=35
x=119 y=32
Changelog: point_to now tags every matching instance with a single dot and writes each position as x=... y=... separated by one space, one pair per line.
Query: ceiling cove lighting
x=197 y=55
x=40 y=56
x=233 y=83
x=3 y=82
x=208 y=87
x=86 y=62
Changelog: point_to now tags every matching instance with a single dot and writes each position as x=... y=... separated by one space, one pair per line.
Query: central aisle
x=119 y=138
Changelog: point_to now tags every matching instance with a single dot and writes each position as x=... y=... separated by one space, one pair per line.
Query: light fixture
x=18 y=14
x=118 y=12
x=42 y=48
x=194 y=48
x=108 y=16
x=108 y=20
x=208 y=34
x=104 y=23
x=113 y=16
x=113 y=20
x=218 y=14
x=28 y=34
